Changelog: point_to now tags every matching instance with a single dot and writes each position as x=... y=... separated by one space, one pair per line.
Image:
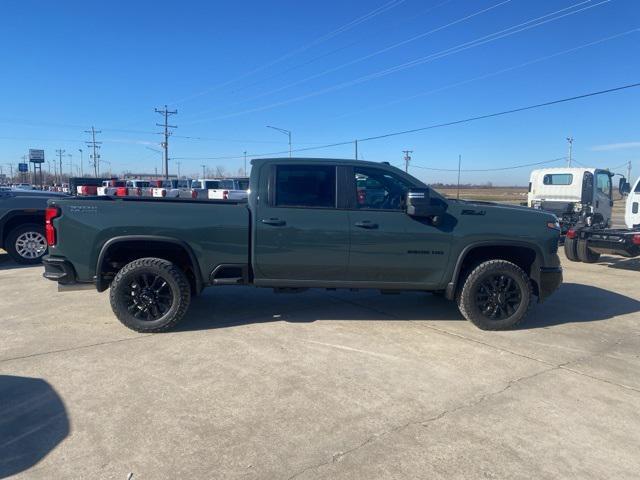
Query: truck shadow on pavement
x=621 y=263
x=7 y=263
x=233 y=306
x=33 y=421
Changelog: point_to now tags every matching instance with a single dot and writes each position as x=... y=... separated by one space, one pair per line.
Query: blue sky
x=322 y=70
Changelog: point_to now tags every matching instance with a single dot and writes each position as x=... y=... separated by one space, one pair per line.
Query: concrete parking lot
x=322 y=385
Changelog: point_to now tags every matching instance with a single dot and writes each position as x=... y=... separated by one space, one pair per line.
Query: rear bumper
x=550 y=280
x=59 y=270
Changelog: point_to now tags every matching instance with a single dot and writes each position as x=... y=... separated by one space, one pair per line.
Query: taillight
x=138 y=191
x=225 y=195
x=636 y=239
x=571 y=233
x=194 y=194
x=121 y=192
x=49 y=230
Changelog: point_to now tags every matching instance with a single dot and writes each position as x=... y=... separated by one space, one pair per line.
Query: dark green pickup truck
x=308 y=223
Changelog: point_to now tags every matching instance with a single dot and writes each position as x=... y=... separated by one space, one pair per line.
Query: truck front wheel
x=585 y=254
x=496 y=295
x=150 y=295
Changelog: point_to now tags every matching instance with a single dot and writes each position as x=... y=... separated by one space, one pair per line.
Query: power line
x=371 y=55
x=165 y=113
x=536 y=22
x=504 y=112
x=499 y=169
x=434 y=126
x=348 y=26
x=492 y=74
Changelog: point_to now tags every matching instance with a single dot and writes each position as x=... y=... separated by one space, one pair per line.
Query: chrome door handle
x=369 y=225
x=276 y=222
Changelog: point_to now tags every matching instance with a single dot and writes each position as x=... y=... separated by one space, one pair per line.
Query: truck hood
x=516 y=210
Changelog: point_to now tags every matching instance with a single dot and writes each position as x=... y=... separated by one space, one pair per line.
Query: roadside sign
x=36 y=156
x=23 y=167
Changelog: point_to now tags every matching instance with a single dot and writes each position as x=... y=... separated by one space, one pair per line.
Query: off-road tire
x=571 y=249
x=12 y=238
x=468 y=302
x=584 y=252
x=121 y=294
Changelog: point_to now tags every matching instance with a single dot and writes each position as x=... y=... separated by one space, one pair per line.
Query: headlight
x=577 y=207
x=536 y=204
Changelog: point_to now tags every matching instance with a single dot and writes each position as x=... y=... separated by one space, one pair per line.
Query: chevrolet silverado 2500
x=308 y=223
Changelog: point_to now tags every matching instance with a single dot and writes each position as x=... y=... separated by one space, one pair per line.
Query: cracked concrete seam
x=424 y=423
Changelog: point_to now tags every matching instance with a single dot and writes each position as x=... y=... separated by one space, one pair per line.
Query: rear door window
x=558 y=179
x=305 y=186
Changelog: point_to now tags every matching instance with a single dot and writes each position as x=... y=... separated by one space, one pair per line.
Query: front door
x=387 y=245
x=300 y=234
x=603 y=198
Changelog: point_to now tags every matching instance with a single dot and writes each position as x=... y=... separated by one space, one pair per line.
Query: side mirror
x=623 y=186
x=420 y=205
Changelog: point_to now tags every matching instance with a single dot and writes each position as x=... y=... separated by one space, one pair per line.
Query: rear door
x=300 y=234
x=603 y=196
x=387 y=245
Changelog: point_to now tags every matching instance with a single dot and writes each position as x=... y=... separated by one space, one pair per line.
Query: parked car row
x=214 y=189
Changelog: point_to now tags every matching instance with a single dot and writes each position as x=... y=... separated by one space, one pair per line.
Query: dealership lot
x=322 y=385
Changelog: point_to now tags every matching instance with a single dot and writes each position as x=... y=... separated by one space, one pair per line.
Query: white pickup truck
x=172 y=188
x=230 y=189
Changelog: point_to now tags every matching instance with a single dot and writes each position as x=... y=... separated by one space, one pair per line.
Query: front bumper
x=549 y=281
x=59 y=270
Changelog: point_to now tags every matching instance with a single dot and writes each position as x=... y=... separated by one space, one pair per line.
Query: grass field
x=488 y=194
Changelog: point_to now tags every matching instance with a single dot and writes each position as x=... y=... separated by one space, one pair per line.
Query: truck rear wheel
x=584 y=252
x=570 y=249
x=27 y=244
x=150 y=295
x=496 y=295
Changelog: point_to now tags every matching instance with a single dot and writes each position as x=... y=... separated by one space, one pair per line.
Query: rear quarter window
x=558 y=179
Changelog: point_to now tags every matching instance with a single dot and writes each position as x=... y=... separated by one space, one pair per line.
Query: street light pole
x=570 y=140
x=245 y=164
x=81 y=162
x=286 y=132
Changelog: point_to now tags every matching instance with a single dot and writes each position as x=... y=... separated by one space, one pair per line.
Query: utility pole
x=203 y=174
x=570 y=140
x=70 y=164
x=356 y=145
x=81 y=162
x=95 y=145
x=459 y=167
x=165 y=144
x=60 y=152
x=245 y=163
x=10 y=172
x=629 y=171
x=178 y=164
x=407 y=159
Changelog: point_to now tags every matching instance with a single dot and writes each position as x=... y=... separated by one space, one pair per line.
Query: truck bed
x=216 y=232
